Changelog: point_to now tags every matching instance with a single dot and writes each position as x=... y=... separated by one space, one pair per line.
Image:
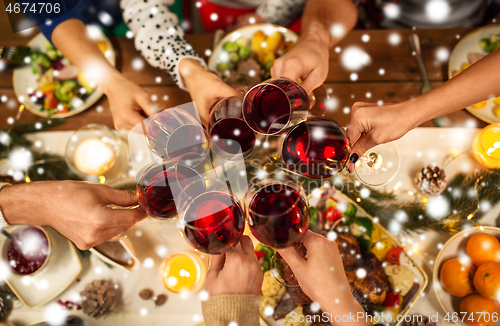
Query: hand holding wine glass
x=373 y=124
x=236 y=272
x=322 y=261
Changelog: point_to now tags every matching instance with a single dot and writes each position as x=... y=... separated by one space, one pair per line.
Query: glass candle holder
x=183 y=272
x=96 y=154
x=486 y=146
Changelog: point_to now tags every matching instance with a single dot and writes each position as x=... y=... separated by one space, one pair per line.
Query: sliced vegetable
x=234 y=57
x=377 y=233
x=50 y=102
x=260 y=254
x=39 y=62
x=333 y=214
x=393 y=255
x=65 y=90
x=393 y=300
x=223 y=67
x=245 y=53
x=382 y=247
x=242 y=43
x=331 y=202
x=479 y=105
x=350 y=211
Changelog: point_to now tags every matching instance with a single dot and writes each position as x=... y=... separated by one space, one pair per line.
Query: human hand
x=128 y=102
x=307 y=60
x=373 y=124
x=235 y=272
x=77 y=210
x=244 y=20
x=321 y=274
x=205 y=87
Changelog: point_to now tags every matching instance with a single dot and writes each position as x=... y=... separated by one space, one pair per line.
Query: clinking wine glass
x=214 y=221
x=172 y=133
x=319 y=147
x=274 y=105
x=278 y=216
x=167 y=186
x=229 y=133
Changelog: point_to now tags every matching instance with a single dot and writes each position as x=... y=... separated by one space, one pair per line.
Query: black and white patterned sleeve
x=281 y=12
x=158 y=36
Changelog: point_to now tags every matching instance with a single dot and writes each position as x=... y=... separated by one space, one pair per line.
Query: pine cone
x=431 y=180
x=98 y=299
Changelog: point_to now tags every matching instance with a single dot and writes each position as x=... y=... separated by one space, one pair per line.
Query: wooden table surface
x=400 y=80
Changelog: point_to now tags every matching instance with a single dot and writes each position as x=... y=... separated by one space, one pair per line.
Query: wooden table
x=400 y=80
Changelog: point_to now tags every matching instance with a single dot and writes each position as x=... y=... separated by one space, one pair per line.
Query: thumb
x=312 y=81
x=217 y=263
x=292 y=257
x=146 y=105
x=361 y=146
x=122 y=198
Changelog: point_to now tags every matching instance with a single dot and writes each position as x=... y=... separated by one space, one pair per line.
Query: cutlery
x=415 y=45
x=6 y=53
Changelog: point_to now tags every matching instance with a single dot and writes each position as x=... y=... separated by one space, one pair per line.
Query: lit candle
x=183 y=272
x=486 y=146
x=94 y=157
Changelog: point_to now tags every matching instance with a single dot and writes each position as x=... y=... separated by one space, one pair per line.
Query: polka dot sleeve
x=281 y=12
x=158 y=36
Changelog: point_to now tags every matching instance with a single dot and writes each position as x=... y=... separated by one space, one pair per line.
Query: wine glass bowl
x=379 y=165
x=270 y=107
x=213 y=222
x=229 y=133
x=278 y=211
x=316 y=148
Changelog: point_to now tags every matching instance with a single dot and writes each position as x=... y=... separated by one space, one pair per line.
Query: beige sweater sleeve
x=222 y=309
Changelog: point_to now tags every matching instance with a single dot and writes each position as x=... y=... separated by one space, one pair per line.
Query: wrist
x=112 y=77
x=317 y=34
x=20 y=203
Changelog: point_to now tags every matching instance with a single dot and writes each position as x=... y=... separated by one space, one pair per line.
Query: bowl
x=5 y=246
x=454 y=247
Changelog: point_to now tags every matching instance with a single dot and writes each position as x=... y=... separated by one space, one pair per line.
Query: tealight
x=486 y=146
x=182 y=272
x=94 y=157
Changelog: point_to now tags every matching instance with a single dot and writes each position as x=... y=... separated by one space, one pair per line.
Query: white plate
x=470 y=44
x=420 y=276
x=23 y=78
x=451 y=249
x=247 y=32
x=62 y=268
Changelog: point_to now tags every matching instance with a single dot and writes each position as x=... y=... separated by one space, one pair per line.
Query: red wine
x=187 y=139
x=27 y=257
x=214 y=222
x=232 y=136
x=278 y=216
x=268 y=107
x=161 y=182
x=316 y=148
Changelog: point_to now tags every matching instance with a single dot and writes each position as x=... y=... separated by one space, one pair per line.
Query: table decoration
x=96 y=154
x=486 y=146
x=99 y=298
x=119 y=253
x=431 y=180
x=183 y=272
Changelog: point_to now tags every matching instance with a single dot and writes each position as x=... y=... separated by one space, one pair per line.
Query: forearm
x=19 y=203
x=328 y=20
x=473 y=85
x=71 y=38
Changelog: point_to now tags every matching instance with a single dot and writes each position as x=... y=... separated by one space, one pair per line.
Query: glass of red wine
x=172 y=133
x=214 y=221
x=274 y=105
x=229 y=133
x=166 y=187
x=319 y=147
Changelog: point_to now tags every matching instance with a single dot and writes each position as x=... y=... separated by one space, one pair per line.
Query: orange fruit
x=487 y=280
x=479 y=311
x=456 y=277
x=483 y=248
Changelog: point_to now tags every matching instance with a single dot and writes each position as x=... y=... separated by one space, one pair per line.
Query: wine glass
x=229 y=133
x=167 y=186
x=278 y=214
x=274 y=105
x=214 y=221
x=319 y=147
x=172 y=133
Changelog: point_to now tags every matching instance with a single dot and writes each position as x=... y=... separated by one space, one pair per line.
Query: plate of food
x=393 y=280
x=49 y=85
x=471 y=48
x=245 y=56
x=467 y=277
x=41 y=266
